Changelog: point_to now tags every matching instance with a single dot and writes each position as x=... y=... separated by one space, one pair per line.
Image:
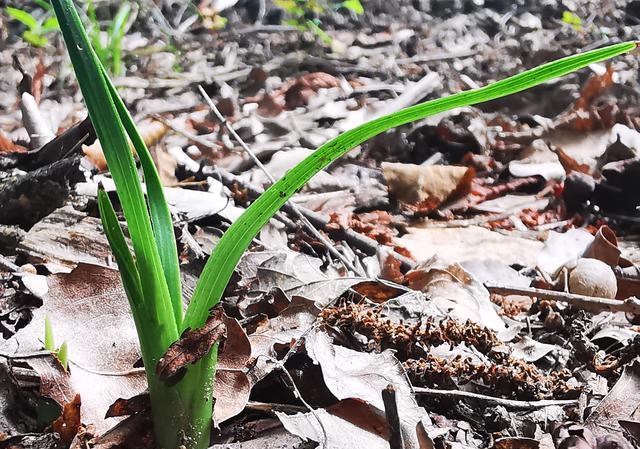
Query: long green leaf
x=24 y=17
x=115 y=145
x=236 y=240
x=115 y=35
x=160 y=215
x=120 y=249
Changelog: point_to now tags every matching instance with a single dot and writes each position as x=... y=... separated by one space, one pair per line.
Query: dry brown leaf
x=620 y=403
x=595 y=86
x=88 y=309
x=350 y=374
x=231 y=390
x=306 y=86
x=131 y=406
x=284 y=328
x=390 y=268
x=68 y=423
x=414 y=184
x=604 y=247
x=7 y=145
x=192 y=345
x=455 y=293
x=151 y=133
x=377 y=291
x=232 y=386
x=570 y=164
x=361 y=427
x=470 y=243
x=269 y=106
x=516 y=443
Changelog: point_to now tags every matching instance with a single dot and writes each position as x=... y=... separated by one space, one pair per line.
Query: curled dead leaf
x=435 y=184
x=604 y=247
x=232 y=385
x=126 y=407
x=68 y=423
x=191 y=347
x=151 y=133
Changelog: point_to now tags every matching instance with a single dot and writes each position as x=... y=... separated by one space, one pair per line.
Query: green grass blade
x=160 y=215
x=24 y=17
x=113 y=138
x=116 y=33
x=49 y=341
x=63 y=355
x=236 y=240
x=120 y=249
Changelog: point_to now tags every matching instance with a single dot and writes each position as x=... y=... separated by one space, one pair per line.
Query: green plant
x=108 y=45
x=304 y=14
x=572 y=19
x=36 y=31
x=49 y=344
x=150 y=275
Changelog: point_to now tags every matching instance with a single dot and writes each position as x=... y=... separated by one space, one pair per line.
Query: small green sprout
x=36 y=31
x=353 y=5
x=572 y=19
x=108 y=44
x=49 y=342
x=61 y=353
x=304 y=13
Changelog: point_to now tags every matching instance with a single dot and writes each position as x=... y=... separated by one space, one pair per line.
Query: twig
x=128 y=372
x=25 y=355
x=411 y=95
x=39 y=131
x=360 y=241
x=507 y=403
x=297 y=393
x=271 y=179
x=589 y=303
x=269 y=407
x=6 y=264
x=422 y=59
x=47 y=353
x=391 y=412
x=197 y=139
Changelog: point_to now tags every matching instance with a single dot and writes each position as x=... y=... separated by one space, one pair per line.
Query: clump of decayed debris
x=510 y=377
x=408 y=339
x=502 y=372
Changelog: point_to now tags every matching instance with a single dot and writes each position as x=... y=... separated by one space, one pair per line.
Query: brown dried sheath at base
x=192 y=346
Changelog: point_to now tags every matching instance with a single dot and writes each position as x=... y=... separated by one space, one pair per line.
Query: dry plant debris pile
x=481 y=263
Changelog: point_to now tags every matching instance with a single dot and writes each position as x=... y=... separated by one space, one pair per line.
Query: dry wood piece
x=589 y=303
x=490 y=400
x=391 y=412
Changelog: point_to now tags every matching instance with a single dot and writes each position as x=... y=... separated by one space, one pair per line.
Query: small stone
x=592 y=277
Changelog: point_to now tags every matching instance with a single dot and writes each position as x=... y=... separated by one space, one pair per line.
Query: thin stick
x=360 y=241
x=317 y=234
x=196 y=139
x=589 y=303
x=6 y=264
x=25 y=355
x=391 y=412
x=47 y=353
x=507 y=403
x=296 y=391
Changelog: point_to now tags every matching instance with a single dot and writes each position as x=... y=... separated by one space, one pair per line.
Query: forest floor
x=478 y=269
